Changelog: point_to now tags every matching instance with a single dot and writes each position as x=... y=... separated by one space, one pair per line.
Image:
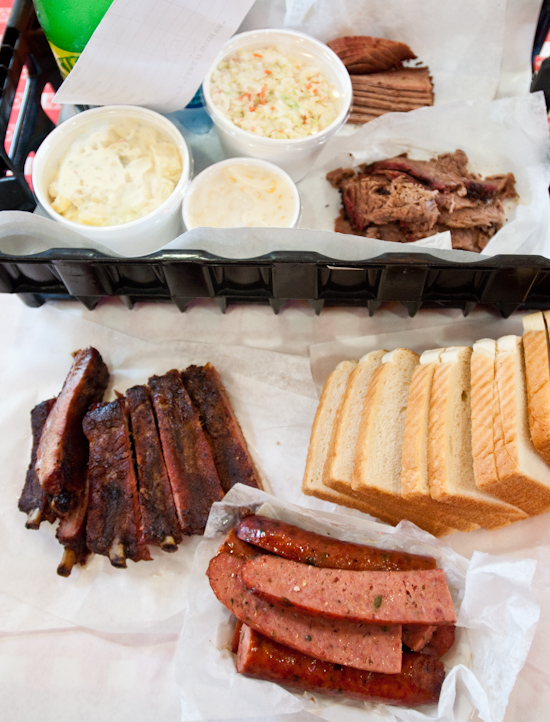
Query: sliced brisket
x=193 y=477
x=365 y=54
x=223 y=432
x=158 y=512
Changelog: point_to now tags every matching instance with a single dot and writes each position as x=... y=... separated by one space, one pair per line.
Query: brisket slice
x=63 y=449
x=114 y=526
x=223 y=432
x=370 y=54
x=158 y=512
x=33 y=500
x=193 y=477
x=410 y=79
x=447 y=173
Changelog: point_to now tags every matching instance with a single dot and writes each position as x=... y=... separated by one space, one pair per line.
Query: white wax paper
x=496 y=620
x=272 y=396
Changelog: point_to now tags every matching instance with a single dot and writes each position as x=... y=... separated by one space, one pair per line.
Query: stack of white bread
x=455 y=439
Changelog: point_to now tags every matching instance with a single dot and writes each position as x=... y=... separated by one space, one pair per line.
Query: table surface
x=69 y=673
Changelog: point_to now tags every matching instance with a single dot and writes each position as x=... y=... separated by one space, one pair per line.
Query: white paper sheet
x=153 y=54
x=273 y=398
x=496 y=620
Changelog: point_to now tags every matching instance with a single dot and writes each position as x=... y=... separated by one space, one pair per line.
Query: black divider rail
x=419 y=280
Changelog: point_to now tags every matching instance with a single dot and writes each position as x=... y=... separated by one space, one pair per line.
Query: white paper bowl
x=136 y=238
x=205 y=178
x=294 y=155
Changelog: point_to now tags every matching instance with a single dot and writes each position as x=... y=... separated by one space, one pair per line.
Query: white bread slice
x=484 y=413
x=321 y=432
x=341 y=454
x=377 y=470
x=414 y=456
x=524 y=478
x=537 y=372
x=450 y=461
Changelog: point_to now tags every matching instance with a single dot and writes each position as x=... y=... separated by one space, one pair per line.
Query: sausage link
x=291 y=542
x=419 y=681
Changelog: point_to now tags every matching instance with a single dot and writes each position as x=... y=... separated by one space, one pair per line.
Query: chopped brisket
x=158 y=512
x=114 y=526
x=63 y=449
x=231 y=456
x=33 y=500
x=376 y=200
x=402 y=200
x=193 y=477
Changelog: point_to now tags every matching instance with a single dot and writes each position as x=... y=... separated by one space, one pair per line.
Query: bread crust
x=537 y=373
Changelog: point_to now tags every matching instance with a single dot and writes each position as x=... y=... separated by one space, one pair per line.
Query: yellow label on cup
x=65 y=59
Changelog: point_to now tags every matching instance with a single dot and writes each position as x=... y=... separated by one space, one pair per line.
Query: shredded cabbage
x=273 y=95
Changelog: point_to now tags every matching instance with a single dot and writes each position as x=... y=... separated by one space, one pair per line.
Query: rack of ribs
x=223 y=432
x=141 y=470
x=62 y=451
x=114 y=526
x=193 y=477
x=158 y=512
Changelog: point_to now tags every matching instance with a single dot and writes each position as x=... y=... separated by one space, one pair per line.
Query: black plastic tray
x=507 y=283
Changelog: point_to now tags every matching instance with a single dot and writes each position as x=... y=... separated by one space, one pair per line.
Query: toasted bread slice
x=341 y=454
x=450 y=460
x=523 y=477
x=537 y=372
x=414 y=456
x=321 y=432
x=377 y=470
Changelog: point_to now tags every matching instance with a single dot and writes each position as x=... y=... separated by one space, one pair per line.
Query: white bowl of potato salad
x=116 y=175
x=278 y=95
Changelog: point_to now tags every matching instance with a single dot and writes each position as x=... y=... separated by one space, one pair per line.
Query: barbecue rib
x=158 y=512
x=114 y=526
x=33 y=500
x=191 y=469
x=223 y=432
x=63 y=450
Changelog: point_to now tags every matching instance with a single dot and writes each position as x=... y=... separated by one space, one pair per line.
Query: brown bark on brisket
x=33 y=500
x=193 y=477
x=62 y=451
x=374 y=54
x=223 y=432
x=158 y=512
x=114 y=525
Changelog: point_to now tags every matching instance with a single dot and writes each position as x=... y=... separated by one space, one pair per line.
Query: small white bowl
x=135 y=238
x=294 y=155
x=207 y=179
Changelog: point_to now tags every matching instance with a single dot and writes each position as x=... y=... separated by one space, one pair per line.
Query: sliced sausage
x=365 y=646
x=411 y=597
x=419 y=681
x=299 y=545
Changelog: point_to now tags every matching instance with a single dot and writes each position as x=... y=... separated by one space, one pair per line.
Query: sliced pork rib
x=193 y=477
x=63 y=449
x=114 y=526
x=33 y=500
x=158 y=512
x=229 y=448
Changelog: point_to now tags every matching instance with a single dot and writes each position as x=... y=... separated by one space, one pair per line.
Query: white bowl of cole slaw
x=106 y=210
x=241 y=138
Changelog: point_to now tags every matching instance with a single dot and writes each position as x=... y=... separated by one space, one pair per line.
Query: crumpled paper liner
x=496 y=620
